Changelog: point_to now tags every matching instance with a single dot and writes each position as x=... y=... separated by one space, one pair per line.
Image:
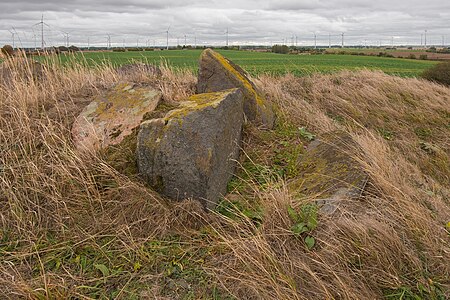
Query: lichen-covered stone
x=111 y=117
x=217 y=73
x=329 y=170
x=192 y=152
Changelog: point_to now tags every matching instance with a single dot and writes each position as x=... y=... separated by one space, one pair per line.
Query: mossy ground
x=269 y=158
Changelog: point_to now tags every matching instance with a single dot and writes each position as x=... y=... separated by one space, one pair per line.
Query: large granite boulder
x=193 y=151
x=217 y=73
x=328 y=170
x=114 y=115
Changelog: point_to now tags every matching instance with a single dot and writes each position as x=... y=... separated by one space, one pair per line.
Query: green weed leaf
x=102 y=268
x=306 y=134
x=310 y=242
x=293 y=214
x=312 y=222
x=299 y=228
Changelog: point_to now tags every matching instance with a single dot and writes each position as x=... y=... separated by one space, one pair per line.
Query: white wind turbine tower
x=42 y=23
x=227 y=36
x=315 y=40
x=426 y=38
x=167 y=37
x=195 y=39
x=108 y=41
x=66 y=37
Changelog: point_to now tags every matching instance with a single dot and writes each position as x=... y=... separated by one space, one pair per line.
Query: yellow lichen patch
x=208 y=98
x=197 y=102
x=121 y=98
x=244 y=80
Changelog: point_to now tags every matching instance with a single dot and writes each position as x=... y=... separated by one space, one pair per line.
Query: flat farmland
x=257 y=63
x=398 y=53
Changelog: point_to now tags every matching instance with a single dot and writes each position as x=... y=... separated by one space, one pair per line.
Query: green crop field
x=257 y=63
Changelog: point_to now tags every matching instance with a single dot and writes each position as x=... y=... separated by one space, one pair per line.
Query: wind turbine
x=315 y=40
x=108 y=41
x=227 y=36
x=426 y=38
x=42 y=23
x=167 y=37
x=14 y=33
x=66 y=36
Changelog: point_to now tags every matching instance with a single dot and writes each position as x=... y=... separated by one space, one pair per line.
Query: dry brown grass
x=391 y=238
x=50 y=189
x=58 y=205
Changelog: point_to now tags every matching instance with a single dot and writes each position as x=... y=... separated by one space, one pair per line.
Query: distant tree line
x=282 y=49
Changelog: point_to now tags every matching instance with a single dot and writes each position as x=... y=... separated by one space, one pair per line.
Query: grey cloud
x=248 y=21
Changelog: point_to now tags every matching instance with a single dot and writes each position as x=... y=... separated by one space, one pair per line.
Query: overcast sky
x=206 y=21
